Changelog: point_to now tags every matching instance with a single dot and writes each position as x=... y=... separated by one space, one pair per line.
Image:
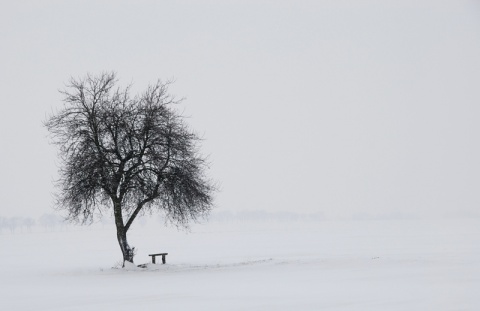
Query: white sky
x=340 y=107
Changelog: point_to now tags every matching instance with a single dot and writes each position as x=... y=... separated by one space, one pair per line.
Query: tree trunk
x=122 y=241
x=122 y=234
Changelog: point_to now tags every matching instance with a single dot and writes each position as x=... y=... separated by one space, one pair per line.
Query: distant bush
x=15 y=223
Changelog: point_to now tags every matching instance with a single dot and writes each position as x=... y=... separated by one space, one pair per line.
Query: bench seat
x=159 y=254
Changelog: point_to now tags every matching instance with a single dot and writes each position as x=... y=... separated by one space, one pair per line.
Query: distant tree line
x=261 y=216
x=25 y=224
x=51 y=222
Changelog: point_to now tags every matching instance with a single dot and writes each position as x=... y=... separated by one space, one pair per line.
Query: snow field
x=325 y=265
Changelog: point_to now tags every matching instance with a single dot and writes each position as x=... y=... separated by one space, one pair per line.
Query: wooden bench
x=160 y=254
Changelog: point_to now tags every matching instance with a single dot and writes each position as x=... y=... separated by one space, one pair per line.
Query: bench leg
x=163 y=259
x=153 y=259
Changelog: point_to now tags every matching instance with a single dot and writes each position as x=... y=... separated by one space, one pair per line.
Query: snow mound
x=129 y=266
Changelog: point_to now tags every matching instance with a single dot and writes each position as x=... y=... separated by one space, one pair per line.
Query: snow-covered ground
x=318 y=265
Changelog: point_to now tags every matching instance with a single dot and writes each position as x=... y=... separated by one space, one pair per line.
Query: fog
x=342 y=108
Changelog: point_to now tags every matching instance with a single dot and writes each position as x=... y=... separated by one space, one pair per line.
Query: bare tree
x=129 y=154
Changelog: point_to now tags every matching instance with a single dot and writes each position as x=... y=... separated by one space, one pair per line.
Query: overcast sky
x=340 y=107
